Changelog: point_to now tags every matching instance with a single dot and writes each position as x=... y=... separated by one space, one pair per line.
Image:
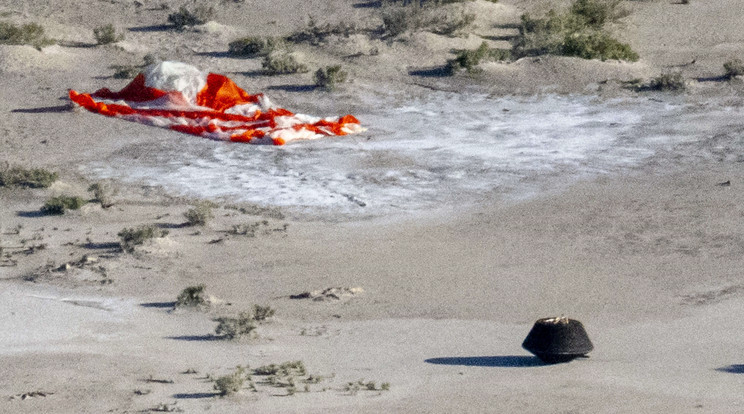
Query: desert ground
x=433 y=305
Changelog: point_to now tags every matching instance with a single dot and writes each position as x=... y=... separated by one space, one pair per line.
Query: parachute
x=180 y=97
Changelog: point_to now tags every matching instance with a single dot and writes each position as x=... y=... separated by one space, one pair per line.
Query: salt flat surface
x=447 y=149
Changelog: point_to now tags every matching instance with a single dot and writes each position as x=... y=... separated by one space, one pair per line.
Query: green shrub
x=399 y=20
x=470 y=59
x=596 y=13
x=107 y=34
x=132 y=237
x=671 y=81
x=255 y=46
x=449 y=23
x=261 y=313
x=316 y=34
x=330 y=77
x=231 y=383
x=103 y=193
x=597 y=45
x=576 y=32
x=184 y=17
x=58 y=205
x=28 y=34
x=284 y=369
x=733 y=68
x=199 y=215
x=21 y=177
x=281 y=62
x=192 y=296
x=234 y=328
x=130 y=71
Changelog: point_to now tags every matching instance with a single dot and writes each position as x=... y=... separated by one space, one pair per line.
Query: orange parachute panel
x=173 y=110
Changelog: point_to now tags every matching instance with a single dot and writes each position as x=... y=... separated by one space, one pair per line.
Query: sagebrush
x=103 y=192
x=231 y=383
x=58 y=205
x=399 y=20
x=330 y=77
x=256 y=46
x=28 y=178
x=282 y=62
x=579 y=31
x=192 y=296
x=199 y=215
x=27 y=34
x=131 y=237
x=107 y=34
x=470 y=59
x=185 y=17
x=669 y=81
x=235 y=328
x=733 y=68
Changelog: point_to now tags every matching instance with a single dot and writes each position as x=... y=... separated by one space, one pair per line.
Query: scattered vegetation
x=106 y=34
x=330 y=77
x=199 y=215
x=733 y=68
x=131 y=237
x=235 y=328
x=671 y=81
x=470 y=59
x=354 y=387
x=130 y=71
x=192 y=296
x=285 y=369
x=399 y=20
x=28 y=34
x=58 y=205
x=579 y=31
x=184 y=17
x=316 y=34
x=103 y=193
x=261 y=313
x=251 y=230
x=281 y=62
x=232 y=383
x=256 y=46
x=21 y=177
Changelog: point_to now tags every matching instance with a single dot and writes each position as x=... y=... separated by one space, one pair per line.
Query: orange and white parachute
x=180 y=97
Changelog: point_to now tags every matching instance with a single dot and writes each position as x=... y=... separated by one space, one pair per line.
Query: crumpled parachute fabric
x=180 y=97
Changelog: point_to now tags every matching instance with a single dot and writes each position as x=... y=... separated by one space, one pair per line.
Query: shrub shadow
x=500 y=38
x=375 y=4
x=195 y=395
x=732 y=369
x=30 y=214
x=70 y=43
x=153 y=28
x=293 y=88
x=722 y=78
x=43 y=110
x=435 y=72
x=159 y=305
x=172 y=225
x=503 y=361
x=252 y=73
x=223 y=54
x=195 y=338
x=103 y=246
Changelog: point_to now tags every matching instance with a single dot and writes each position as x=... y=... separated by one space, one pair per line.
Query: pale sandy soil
x=650 y=261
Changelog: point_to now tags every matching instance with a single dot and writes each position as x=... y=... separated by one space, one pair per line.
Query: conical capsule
x=555 y=340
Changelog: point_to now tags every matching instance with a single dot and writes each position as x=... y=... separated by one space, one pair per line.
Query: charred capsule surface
x=560 y=339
